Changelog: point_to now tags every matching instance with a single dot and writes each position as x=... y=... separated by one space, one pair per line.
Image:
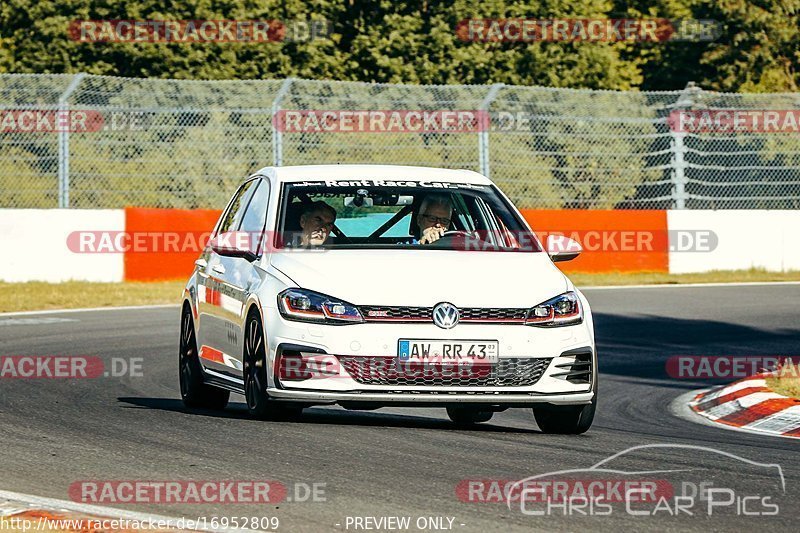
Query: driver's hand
x=431 y=234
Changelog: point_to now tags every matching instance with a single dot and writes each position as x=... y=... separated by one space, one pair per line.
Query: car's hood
x=425 y=277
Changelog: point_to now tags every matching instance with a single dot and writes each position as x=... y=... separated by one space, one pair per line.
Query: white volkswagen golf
x=370 y=286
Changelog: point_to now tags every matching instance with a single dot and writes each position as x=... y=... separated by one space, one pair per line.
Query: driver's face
x=434 y=215
x=316 y=226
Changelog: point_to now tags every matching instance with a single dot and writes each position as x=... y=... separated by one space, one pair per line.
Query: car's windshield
x=400 y=214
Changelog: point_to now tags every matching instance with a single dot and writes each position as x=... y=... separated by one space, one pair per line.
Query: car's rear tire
x=565 y=419
x=255 y=376
x=465 y=416
x=194 y=392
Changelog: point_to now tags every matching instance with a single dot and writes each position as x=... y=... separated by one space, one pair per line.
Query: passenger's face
x=434 y=215
x=316 y=226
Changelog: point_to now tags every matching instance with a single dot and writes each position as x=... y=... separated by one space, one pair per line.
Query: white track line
x=97 y=510
x=88 y=309
x=687 y=285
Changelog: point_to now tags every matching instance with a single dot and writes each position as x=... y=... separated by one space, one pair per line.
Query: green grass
x=660 y=278
x=75 y=294
x=787 y=382
x=37 y=295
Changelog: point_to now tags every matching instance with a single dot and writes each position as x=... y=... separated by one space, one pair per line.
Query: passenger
x=316 y=223
x=434 y=217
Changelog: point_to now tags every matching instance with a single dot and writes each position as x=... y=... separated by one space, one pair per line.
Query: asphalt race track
x=402 y=462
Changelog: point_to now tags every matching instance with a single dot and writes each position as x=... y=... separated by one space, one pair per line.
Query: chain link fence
x=181 y=143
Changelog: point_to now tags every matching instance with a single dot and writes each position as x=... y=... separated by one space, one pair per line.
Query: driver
x=316 y=223
x=434 y=217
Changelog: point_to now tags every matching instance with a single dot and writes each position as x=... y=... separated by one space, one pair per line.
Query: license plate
x=448 y=352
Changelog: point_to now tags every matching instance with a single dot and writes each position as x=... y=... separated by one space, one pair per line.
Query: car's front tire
x=255 y=375
x=194 y=392
x=465 y=416
x=565 y=419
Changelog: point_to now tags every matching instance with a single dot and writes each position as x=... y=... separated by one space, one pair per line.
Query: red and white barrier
x=47 y=244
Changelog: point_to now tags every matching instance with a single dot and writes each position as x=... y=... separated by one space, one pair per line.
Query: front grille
x=490 y=314
x=395 y=313
x=494 y=315
x=390 y=371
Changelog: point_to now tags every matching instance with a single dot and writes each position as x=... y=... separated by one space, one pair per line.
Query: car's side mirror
x=562 y=248
x=234 y=244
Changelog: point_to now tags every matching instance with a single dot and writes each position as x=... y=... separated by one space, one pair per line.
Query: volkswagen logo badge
x=445 y=315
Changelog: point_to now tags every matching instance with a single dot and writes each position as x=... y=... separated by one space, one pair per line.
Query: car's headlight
x=563 y=310
x=310 y=306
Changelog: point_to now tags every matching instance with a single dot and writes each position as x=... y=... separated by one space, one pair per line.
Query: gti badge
x=445 y=315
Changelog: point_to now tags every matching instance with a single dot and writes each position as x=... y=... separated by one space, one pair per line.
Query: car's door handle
x=219 y=269
x=201 y=263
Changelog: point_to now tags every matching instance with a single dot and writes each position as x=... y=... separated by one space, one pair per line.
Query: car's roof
x=380 y=172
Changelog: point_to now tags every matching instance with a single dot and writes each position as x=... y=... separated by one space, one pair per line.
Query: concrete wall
x=35 y=245
x=43 y=244
x=744 y=239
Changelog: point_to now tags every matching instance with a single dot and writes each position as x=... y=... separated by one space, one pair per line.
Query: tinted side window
x=256 y=215
x=232 y=217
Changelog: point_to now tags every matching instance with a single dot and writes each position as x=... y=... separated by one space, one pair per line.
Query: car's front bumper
x=556 y=346
x=418 y=398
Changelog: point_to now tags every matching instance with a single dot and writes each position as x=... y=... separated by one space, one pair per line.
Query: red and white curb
x=750 y=405
x=26 y=513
